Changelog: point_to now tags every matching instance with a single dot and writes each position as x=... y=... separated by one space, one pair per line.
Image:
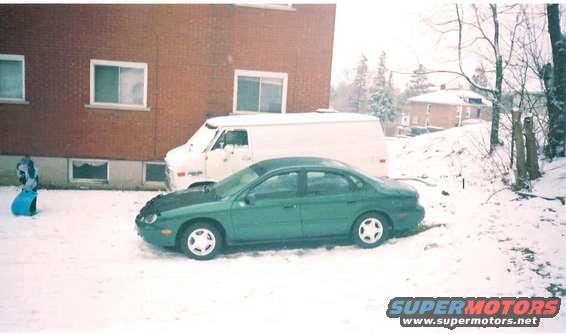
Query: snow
x=450 y=96
x=78 y=265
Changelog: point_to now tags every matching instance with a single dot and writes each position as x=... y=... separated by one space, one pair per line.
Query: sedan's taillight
x=417 y=196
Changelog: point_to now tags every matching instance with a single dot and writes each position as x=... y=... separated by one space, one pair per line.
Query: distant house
x=97 y=94
x=443 y=109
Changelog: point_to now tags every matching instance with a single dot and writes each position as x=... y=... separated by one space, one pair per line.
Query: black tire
x=378 y=221
x=207 y=232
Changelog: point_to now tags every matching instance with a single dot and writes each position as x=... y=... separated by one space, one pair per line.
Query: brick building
x=445 y=108
x=97 y=94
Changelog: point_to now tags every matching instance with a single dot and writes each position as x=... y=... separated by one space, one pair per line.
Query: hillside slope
x=478 y=203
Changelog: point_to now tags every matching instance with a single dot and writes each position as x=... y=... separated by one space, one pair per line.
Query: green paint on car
x=276 y=200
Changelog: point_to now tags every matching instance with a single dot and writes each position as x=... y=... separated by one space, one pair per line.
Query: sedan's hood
x=161 y=203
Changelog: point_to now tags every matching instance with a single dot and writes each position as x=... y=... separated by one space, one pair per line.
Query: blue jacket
x=28 y=175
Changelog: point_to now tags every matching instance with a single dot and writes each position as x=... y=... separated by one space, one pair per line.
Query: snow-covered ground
x=79 y=265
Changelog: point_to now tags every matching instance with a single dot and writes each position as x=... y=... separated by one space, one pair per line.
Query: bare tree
x=521 y=77
x=555 y=83
x=484 y=27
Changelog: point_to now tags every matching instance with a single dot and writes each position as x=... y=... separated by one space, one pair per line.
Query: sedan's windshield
x=200 y=140
x=238 y=181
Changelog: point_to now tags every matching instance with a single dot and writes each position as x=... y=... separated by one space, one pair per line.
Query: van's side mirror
x=250 y=199
x=229 y=149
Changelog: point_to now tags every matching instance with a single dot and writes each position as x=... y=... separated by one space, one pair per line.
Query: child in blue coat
x=27 y=174
x=26 y=201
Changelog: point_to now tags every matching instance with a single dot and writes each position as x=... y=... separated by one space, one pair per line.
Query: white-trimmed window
x=154 y=172
x=256 y=91
x=118 y=84
x=12 y=78
x=88 y=170
x=285 y=6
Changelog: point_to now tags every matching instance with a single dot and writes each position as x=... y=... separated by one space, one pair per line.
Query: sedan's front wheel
x=201 y=241
x=370 y=230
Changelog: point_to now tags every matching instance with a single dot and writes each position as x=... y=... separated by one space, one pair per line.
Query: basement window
x=154 y=172
x=12 y=78
x=256 y=91
x=118 y=84
x=88 y=170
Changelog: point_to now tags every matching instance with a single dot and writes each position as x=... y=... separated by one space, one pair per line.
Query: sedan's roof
x=301 y=162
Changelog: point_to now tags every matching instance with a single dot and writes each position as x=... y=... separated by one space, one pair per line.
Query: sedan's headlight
x=150 y=219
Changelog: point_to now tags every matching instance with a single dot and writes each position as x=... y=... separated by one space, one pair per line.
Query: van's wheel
x=201 y=241
x=370 y=230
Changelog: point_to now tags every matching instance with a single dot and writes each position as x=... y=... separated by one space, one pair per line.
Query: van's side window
x=234 y=137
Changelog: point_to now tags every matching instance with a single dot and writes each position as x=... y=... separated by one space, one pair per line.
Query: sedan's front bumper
x=156 y=235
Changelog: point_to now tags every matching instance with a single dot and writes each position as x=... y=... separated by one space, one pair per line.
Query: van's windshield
x=200 y=140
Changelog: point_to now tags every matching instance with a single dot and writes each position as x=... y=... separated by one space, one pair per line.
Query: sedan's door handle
x=289 y=206
x=351 y=202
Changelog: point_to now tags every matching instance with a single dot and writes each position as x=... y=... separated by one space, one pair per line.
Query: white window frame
x=286 y=7
x=94 y=62
x=23 y=60
x=250 y=73
x=144 y=169
x=73 y=179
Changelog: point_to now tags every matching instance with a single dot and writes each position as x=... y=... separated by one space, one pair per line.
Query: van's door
x=229 y=154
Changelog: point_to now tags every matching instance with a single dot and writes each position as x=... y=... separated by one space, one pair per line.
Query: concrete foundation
x=55 y=173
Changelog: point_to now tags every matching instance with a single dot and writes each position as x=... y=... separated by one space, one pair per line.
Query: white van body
x=224 y=145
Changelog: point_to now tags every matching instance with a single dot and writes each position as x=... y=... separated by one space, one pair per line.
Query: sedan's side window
x=233 y=137
x=277 y=187
x=324 y=183
x=358 y=184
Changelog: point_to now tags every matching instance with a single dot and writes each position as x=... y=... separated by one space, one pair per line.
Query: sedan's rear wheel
x=370 y=230
x=201 y=241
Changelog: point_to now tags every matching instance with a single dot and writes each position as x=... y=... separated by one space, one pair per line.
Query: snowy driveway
x=79 y=265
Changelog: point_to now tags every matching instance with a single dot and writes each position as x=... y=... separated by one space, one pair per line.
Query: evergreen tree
x=358 y=97
x=382 y=100
x=419 y=83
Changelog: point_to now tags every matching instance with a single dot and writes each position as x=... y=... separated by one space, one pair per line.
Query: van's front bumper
x=175 y=182
x=168 y=182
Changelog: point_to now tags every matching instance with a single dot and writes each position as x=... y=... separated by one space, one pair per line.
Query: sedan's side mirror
x=250 y=199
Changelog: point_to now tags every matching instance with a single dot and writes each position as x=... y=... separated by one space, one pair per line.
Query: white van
x=224 y=145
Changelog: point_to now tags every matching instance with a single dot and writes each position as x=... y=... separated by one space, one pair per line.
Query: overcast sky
x=400 y=29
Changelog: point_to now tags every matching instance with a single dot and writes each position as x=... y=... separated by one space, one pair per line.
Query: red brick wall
x=191 y=52
x=443 y=115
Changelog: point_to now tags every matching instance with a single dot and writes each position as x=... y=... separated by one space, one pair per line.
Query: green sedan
x=280 y=200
